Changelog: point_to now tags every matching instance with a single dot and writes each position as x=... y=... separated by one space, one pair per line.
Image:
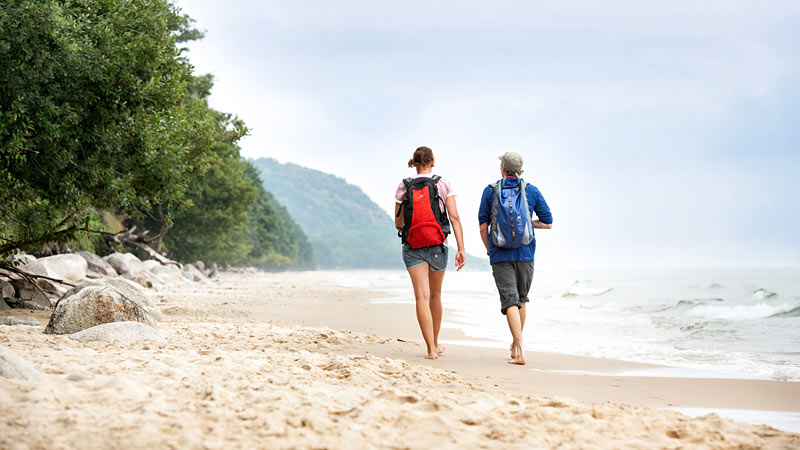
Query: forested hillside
x=345 y=228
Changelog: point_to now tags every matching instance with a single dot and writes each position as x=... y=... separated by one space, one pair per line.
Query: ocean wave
x=581 y=289
x=740 y=312
x=794 y=312
x=763 y=294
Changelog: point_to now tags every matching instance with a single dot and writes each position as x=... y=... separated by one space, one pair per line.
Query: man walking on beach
x=506 y=212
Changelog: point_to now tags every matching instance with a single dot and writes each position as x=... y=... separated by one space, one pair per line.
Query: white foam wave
x=739 y=312
x=581 y=289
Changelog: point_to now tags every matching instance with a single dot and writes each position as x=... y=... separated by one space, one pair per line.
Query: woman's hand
x=461 y=259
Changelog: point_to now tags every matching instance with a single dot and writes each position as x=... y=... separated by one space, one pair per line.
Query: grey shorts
x=513 y=280
x=435 y=256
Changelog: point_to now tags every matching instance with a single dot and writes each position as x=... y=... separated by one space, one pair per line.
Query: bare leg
x=515 y=325
x=435 y=279
x=422 y=293
x=521 y=328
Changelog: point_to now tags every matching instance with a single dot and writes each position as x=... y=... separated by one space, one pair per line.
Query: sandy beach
x=288 y=360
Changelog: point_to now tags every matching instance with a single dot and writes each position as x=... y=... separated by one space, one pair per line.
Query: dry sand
x=267 y=361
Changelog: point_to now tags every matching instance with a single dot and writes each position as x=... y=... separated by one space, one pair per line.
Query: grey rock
x=124 y=263
x=200 y=265
x=127 y=288
x=95 y=305
x=14 y=366
x=76 y=377
x=150 y=264
x=68 y=267
x=199 y=276
x=60 y=348
x=6 y=289
x=190 y=276
x=146 y=347
x=15 y=303
x=37 y=268
x=169 y=274
x=44 y=295
x=3 y=305
x=121 y=332
x=143 y=278
x=20 y=321
x=97 y=265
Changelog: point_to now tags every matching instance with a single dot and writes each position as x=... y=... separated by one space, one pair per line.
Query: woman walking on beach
x=425 y=211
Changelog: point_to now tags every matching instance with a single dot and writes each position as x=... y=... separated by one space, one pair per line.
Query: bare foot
x=440 y=350
x=432 y=356
x=517 y=355
x=519 y=361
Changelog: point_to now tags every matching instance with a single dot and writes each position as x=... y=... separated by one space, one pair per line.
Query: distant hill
x=346 y=229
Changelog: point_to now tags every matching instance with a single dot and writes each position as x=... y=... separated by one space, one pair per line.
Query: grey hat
x=512 y=161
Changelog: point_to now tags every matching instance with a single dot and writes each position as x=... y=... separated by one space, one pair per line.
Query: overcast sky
x=662 y=134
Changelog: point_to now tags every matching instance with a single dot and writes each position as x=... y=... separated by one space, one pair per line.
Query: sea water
x=742 y=323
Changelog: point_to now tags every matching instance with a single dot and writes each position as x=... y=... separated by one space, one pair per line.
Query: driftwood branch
x=30 y=277
x=131 y=239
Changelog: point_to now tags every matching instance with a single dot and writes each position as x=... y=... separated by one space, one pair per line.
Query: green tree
x=95 y=113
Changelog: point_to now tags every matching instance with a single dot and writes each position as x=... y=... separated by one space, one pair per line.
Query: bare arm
x=398 y=220
x=541 y=225
x=455 y=222
x=485 y=235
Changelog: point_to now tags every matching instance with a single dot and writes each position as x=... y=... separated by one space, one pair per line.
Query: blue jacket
x=538 y=208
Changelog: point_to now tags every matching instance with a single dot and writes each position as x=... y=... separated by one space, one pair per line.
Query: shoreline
x=353 y=309
x=286 y=359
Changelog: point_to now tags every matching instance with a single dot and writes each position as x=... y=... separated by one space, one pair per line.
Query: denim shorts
x=435 y=256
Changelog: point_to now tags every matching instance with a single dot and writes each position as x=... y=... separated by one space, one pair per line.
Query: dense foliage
x=99 y=112
x=94 y=114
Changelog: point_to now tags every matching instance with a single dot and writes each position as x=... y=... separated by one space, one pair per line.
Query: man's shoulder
x=530 y=187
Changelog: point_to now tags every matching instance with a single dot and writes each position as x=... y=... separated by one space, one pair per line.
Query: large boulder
x=14 y=366
x=150 y=264
x=124 y=263
x=128 y=289
x=68 y=267
x=97 y=266
x=3 y=305
x=122 y=332
x=95 y=305
x=25 y=290
x=37 y=268
x=170 y=274
x=130 y=267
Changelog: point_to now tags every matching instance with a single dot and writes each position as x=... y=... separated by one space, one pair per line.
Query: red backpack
x=425 y=221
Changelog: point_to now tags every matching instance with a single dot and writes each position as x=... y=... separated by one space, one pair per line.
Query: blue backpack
x=511 y=225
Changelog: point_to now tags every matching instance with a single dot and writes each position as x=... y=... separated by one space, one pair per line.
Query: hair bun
x=410 y=163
